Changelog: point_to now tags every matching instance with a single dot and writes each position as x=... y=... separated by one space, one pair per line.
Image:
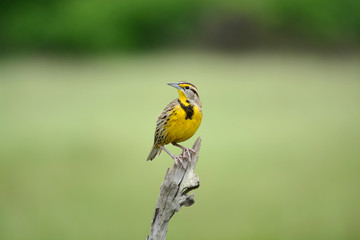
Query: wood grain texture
x=174 y=191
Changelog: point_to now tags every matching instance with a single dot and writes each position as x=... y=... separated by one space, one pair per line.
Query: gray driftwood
x=177 y=184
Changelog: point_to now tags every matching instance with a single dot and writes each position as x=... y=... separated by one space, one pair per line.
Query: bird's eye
x=187 y=87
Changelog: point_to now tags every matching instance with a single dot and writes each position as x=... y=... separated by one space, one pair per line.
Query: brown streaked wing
x=162 y=121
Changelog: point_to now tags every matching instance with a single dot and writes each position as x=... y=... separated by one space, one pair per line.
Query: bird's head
x=187 y=92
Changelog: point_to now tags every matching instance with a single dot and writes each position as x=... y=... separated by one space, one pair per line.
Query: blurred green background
x=107 y=25
x=82 y=84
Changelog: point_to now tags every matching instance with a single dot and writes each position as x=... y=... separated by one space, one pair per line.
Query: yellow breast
x=180 y=127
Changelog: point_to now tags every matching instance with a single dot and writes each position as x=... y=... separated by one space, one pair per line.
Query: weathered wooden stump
x=177 y=184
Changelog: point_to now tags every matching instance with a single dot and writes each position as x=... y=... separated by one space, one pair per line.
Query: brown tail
x=155 y=151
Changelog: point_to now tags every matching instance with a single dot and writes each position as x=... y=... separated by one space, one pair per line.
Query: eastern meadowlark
x=178 y=122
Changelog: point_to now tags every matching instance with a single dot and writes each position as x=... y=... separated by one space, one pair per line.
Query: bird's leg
x=176 y=158
x=185 y=150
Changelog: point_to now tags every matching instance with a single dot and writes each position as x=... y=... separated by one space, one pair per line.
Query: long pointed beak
x=175 y=85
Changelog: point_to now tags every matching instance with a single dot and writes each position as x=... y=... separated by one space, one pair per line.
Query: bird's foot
x=178 y=159
x=191 y=150
x=186 y=153
x=184 y=148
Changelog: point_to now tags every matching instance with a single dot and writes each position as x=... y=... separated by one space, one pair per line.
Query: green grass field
x=279 y=161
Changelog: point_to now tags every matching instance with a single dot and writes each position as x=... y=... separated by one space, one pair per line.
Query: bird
x=178 y=122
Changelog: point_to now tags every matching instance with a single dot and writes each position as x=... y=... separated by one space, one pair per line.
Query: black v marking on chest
x=189 y=109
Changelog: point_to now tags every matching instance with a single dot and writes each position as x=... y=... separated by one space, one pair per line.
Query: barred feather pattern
x=160 y=135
